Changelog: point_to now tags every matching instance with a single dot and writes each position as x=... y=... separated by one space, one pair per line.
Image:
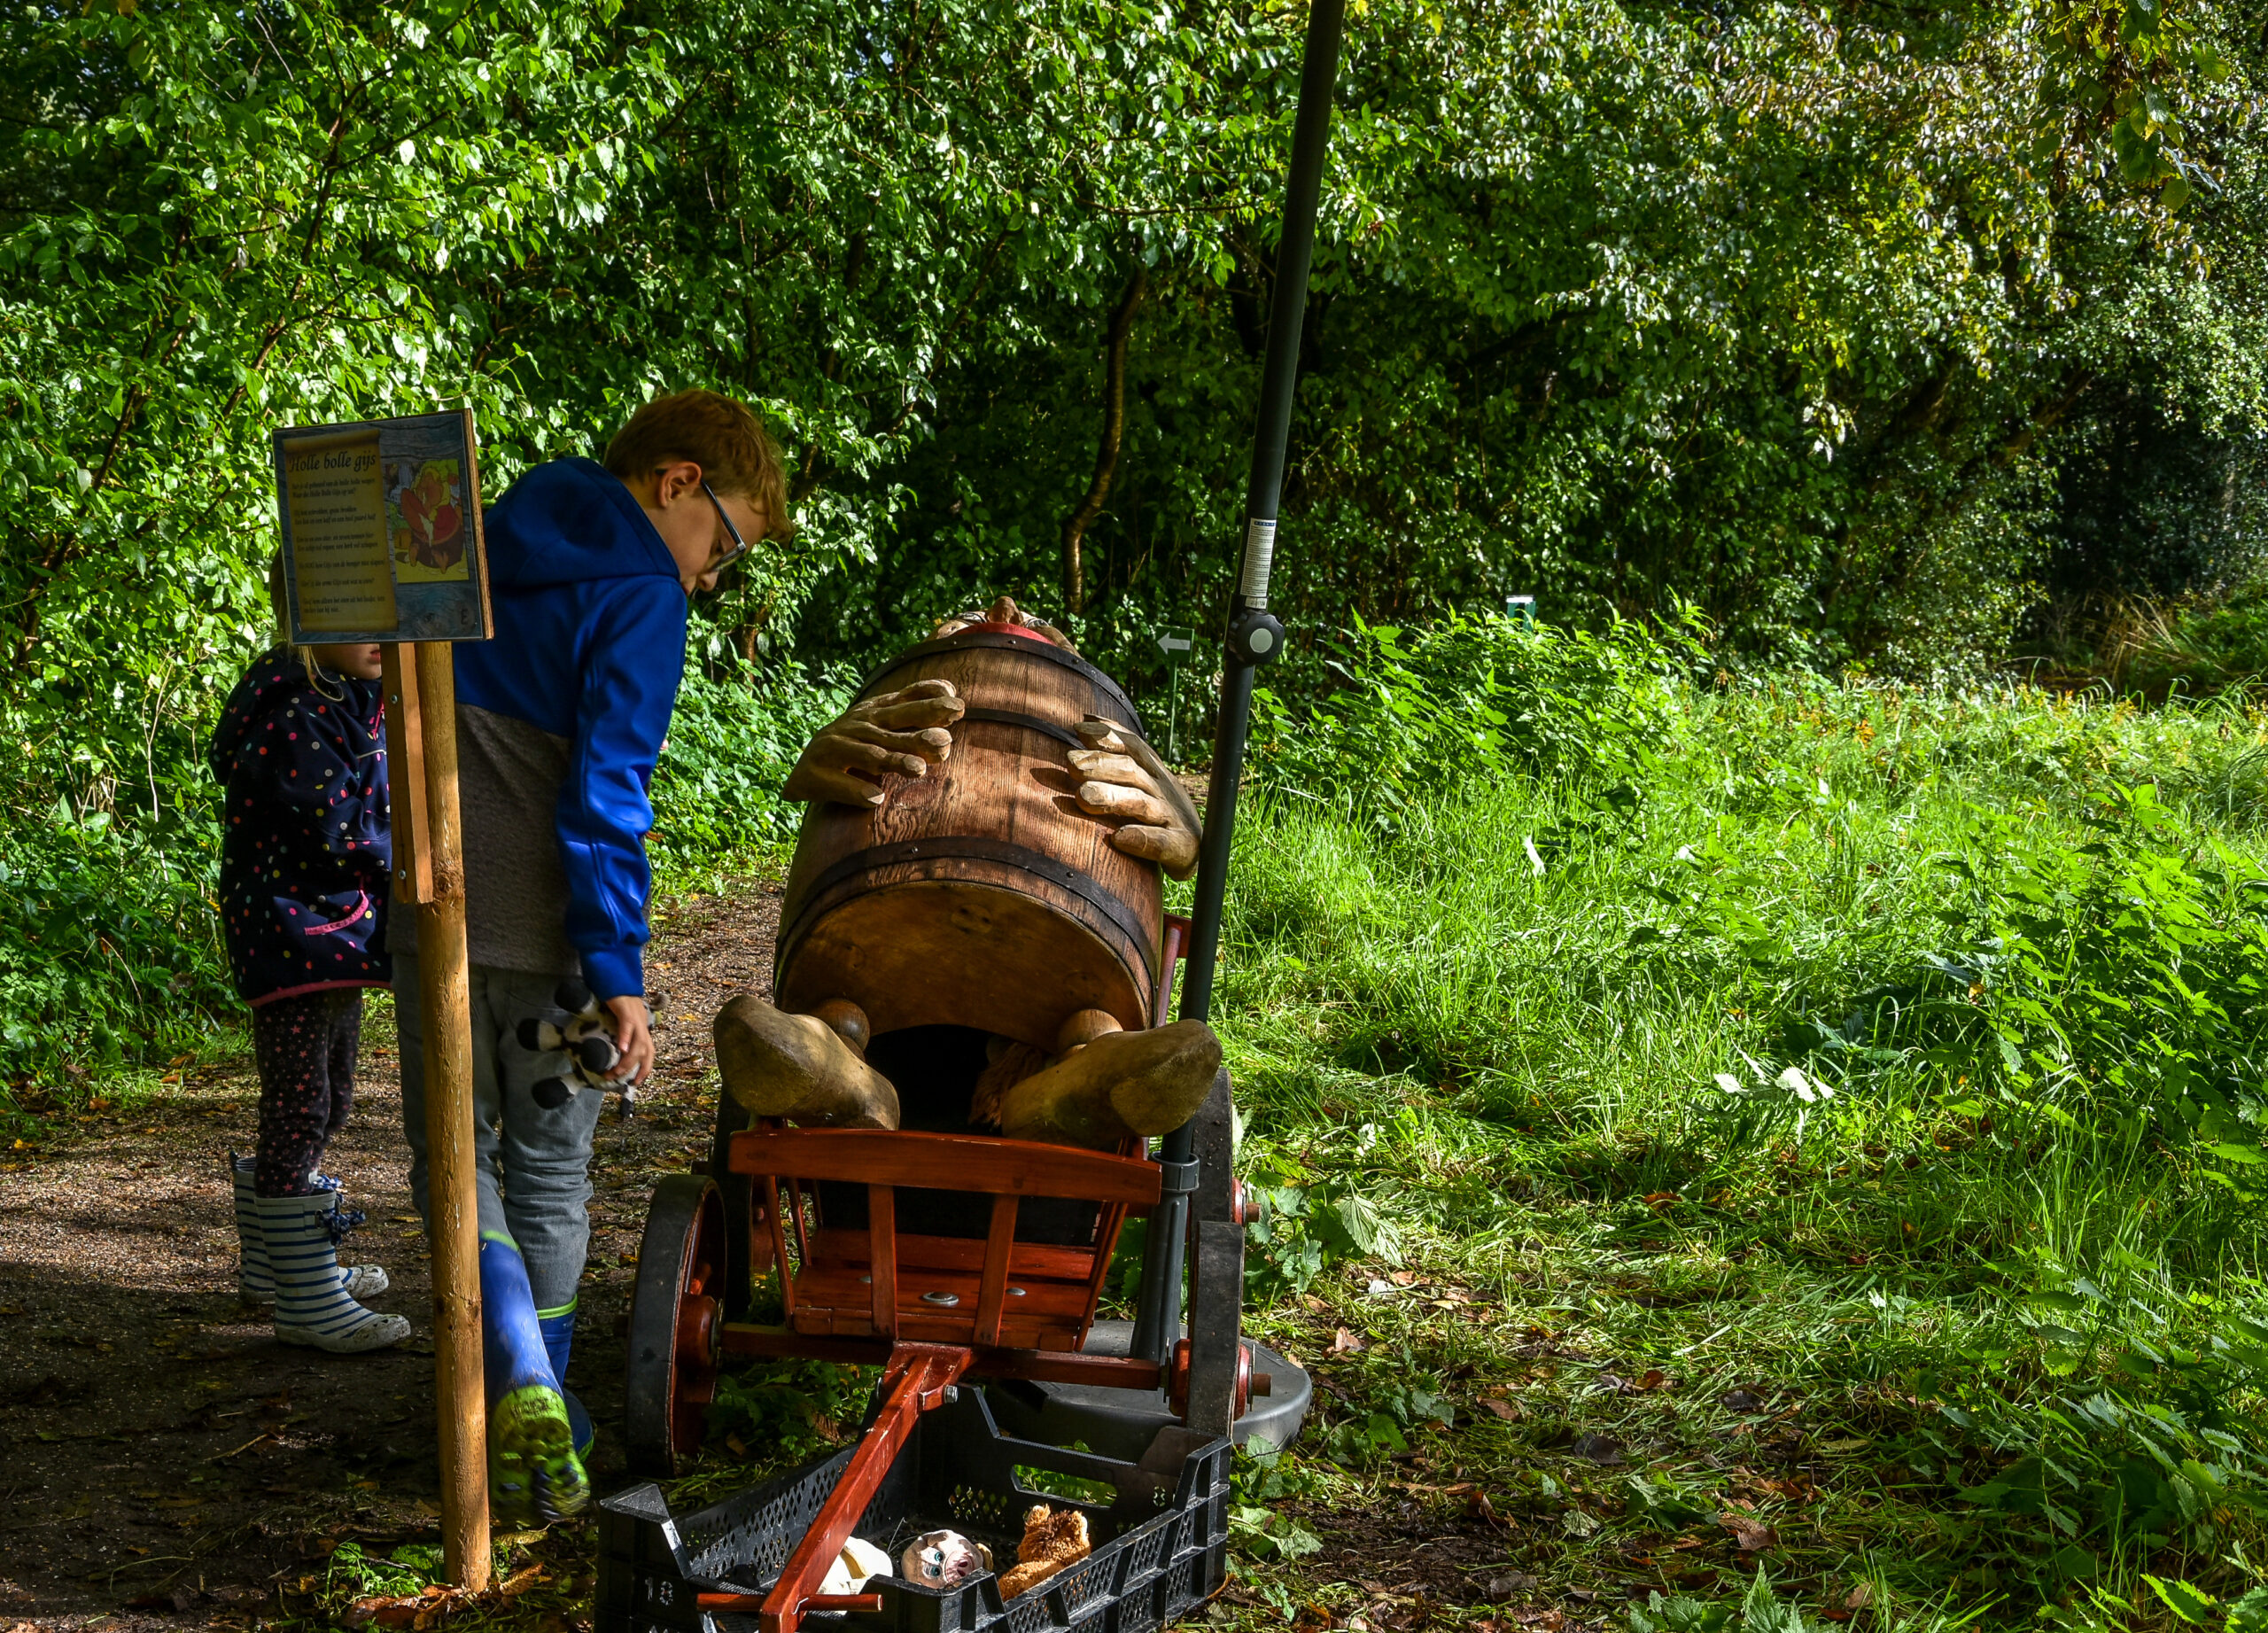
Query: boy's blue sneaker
x=535 y=1475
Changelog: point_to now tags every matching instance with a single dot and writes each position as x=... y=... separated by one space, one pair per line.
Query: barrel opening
x=934 y=1070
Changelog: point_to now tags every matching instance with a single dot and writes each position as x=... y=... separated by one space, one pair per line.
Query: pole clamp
x=1178 y=1179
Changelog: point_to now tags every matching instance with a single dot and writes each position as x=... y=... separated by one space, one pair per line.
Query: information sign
x=381 y=526
x=1176 y=645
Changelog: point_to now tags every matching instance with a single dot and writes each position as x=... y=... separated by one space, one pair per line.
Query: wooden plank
x=948 y=1162
x=992 y=1288
x=769 y=1188
x=413 y=870
x=881 y=1232
x=833 y=1249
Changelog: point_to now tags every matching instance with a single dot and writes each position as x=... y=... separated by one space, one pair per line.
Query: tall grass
x=1897 y=1057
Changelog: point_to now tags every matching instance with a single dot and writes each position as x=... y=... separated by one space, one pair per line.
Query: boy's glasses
x=740 y=545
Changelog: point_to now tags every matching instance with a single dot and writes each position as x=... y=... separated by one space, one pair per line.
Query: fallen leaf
x=1753 y=1537
x=1343 y=1340
x=1860 y=1596
x=1598 y=1448
x=1505 y=1410
x=1660 y=1201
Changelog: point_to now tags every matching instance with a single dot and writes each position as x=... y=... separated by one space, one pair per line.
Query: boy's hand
x=904 y=732
x=1127 y=783
x=634 y=1035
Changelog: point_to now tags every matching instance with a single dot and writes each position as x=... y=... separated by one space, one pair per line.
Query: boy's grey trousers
x=534 y=1165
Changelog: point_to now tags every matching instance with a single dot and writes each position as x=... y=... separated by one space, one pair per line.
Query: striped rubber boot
x=311 y=1306
x=534 y=1476
x=255 y=1283
x=558 y=1329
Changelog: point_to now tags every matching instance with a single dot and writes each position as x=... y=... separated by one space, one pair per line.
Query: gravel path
x=163 y=1461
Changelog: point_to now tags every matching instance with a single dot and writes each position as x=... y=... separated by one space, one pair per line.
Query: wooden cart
x=930 y=1310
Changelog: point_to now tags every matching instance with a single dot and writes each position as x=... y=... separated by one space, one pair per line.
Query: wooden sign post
x=382 y=542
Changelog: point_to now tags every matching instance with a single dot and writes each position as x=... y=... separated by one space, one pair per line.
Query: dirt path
x=163 y=1460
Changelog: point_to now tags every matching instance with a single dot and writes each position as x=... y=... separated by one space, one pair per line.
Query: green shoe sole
x=534 y=1476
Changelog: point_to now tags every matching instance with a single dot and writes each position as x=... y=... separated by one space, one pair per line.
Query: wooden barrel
x=979 y=895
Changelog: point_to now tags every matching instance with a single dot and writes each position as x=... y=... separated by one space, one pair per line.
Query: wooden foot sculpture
x=1103 y=1086
x=809 y=1068
x=1119 y=1083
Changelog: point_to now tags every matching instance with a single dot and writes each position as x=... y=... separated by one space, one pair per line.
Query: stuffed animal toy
x=585 y=1033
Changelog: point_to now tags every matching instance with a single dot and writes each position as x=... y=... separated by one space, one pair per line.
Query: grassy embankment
x=1837 y=1137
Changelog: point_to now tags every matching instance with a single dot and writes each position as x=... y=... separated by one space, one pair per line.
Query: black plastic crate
x=1159 y=1544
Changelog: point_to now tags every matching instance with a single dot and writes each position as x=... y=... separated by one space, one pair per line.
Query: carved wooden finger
x=799 y=1068
x=1114 y=799
x=1120 y=1083
x=816 y=781
x=1173 y=849
x=912 y=713
x=1084 y=1028
x=1119 y=769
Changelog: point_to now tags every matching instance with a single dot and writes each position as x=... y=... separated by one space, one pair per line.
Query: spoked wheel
x=747 y=1241
x=676 y=1324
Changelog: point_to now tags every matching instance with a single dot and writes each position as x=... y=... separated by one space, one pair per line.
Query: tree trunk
x=1114 y=431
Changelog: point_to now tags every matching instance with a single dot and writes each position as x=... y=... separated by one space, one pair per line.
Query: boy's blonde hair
x=718 y=433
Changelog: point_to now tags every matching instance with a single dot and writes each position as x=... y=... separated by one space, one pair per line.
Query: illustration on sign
x=381 y=525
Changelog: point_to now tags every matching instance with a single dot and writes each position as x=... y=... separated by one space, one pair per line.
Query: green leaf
x=2189 y=1604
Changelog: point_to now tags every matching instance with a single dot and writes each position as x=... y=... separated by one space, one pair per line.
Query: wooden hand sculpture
x=901 y=731
x=810 y=1068
x=1125 y=781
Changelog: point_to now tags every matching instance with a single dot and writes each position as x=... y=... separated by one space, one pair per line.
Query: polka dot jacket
x=304 y=853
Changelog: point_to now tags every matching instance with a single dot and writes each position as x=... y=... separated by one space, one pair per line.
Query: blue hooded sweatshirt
x=560 y=719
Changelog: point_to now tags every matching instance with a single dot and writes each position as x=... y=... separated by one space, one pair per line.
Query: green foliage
x=734 y=738
x=1415 y=714
x=787 y=1411
x=1902 y=1046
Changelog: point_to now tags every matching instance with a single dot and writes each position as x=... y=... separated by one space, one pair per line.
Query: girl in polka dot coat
x=306 y=857
x=306 y=865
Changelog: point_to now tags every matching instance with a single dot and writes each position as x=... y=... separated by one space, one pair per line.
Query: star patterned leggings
x=306 y=1047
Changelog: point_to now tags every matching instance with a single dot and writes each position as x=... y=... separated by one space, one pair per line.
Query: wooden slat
x=832 y=1249
x=881 y=1232
x=992 y=1290
x=770 y=1188
x=948 y=1162
x=944 y=1326
x=413 y=860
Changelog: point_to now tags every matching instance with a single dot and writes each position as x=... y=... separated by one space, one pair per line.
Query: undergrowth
x=1817 y=1132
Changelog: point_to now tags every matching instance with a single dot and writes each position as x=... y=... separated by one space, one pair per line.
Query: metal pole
x=1254 y=637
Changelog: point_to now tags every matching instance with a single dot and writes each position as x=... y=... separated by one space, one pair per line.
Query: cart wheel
x=747 y=1241
x=676 y=1324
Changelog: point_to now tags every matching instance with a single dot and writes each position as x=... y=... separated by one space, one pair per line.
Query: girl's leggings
x=306 y=1047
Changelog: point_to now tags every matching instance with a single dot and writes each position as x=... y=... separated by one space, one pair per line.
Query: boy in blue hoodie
x=560 y=719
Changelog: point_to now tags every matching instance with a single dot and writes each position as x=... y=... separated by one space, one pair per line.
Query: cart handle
x=919 y=1379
